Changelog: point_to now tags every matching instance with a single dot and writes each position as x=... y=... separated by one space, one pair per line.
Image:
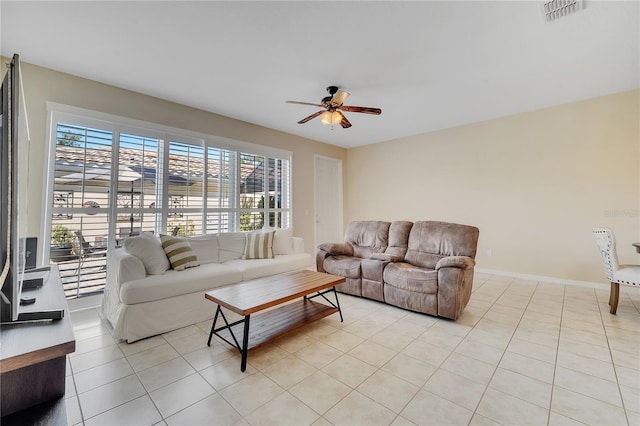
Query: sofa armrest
x=462 y=262
x=298 y=245
x=338 y=249
x=123 y=267
x=384 y=257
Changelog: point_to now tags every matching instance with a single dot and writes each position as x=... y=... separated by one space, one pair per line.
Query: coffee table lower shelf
x=269 y=325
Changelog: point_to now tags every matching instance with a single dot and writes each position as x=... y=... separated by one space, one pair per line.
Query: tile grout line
x=474 y=411
x=505 y=350
x=613 y=364
x=354 y=389
x=566 y=308
x=555 y=363
x=113 y=381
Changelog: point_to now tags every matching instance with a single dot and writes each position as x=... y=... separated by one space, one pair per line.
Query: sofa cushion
x=175 y=283
x=344 y=266
x=259 y=245
x=408 y=277
x=231 y=245
x=148 y=249
x=367 y=237
x=206 y=248
x=258 y=268
x=179 y=252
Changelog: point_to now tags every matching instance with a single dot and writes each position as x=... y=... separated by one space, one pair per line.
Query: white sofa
x=140 y=305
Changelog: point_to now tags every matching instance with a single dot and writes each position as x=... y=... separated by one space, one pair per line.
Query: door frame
x=340 y=195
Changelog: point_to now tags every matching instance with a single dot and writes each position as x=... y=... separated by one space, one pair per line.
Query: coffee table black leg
x=245 y=343
x=335 y=293
x=213 y=326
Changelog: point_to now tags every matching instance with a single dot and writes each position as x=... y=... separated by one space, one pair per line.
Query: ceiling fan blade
x=339 y=97
x=304 y=103
x=344 y=122
x=311 y=117
x=366 y=110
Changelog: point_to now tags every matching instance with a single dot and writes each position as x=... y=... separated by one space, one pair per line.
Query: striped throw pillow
x=259 y=245
x=179 y=252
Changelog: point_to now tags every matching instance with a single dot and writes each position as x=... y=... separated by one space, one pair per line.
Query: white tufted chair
x=616 y=273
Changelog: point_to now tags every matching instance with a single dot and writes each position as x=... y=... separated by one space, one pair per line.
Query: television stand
x=33 y=360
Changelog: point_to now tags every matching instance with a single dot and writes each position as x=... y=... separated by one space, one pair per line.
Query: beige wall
x=534 y=183
x=42 y=85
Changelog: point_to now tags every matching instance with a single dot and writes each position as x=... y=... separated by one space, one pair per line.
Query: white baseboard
x=544 y=278
x=87 y=302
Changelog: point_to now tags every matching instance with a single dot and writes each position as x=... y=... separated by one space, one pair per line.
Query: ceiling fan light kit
x=333 y=105
x=331 y=117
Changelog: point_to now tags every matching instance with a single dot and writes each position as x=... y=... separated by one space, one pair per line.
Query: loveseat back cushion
x=408 y=277
x=399 y=238
x=205 y=247
x=231 y=245
x=282 y=240
x=344 y=266
x=367 y=237
x=430 y=241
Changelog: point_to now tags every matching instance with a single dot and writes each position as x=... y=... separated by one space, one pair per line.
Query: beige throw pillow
x=259 y=245
x=179 y=252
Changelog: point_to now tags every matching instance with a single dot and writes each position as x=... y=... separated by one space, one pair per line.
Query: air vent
x=555 y=9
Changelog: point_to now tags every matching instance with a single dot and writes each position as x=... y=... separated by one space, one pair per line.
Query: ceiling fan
x=333 y=107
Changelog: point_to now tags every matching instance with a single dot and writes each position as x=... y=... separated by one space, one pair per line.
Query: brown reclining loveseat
x=425 y=266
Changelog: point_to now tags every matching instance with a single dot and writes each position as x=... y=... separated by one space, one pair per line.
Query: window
x=110 y=179
x=221 y=190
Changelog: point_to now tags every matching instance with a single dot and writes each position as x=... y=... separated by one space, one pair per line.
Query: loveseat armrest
x=337 y=249
x=462 y=262
x=331 y=249
x=384 y=257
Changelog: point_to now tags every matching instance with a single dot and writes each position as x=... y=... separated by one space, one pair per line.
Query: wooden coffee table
x=274 y=292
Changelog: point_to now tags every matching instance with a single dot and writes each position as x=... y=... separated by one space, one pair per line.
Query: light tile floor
x=523 y=352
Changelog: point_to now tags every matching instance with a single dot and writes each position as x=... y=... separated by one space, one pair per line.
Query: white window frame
x=57 y=113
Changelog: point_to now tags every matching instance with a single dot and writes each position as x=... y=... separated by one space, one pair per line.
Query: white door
x=328 y=200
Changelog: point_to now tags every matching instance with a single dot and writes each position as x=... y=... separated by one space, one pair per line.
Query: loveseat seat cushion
x=174 y=283
x=258 y=268
x=408 y=277
x=344 y=266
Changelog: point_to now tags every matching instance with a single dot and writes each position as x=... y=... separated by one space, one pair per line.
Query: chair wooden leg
x=613 y=297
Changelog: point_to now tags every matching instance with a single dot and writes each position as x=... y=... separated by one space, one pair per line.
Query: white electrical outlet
x=489 y=253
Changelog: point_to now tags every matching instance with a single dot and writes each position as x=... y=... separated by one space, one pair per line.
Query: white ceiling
x=428 y=65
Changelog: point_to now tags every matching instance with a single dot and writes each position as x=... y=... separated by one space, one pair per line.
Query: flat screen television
x=14 y=153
